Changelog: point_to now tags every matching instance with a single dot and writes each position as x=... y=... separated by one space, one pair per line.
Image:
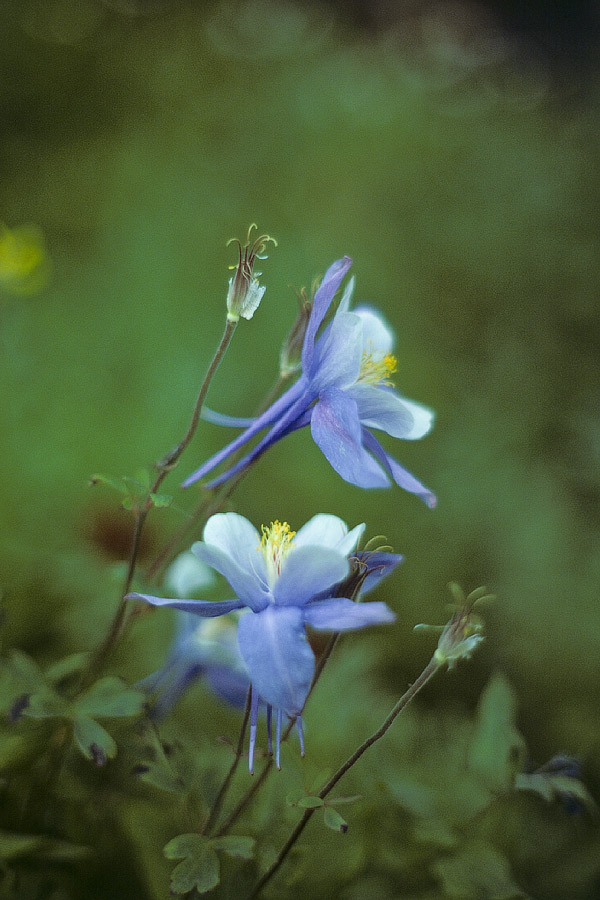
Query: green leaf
x=496 y=750
x=333 y=820
x=15 y=845
x=342 y=801
x=161 y=777
x=200 y=866
x=310 y=802
x=555 y=787
x=24 y=670
x=69 y=665
x=45 y=704
x=110 y=697
x=235 y=845
x=93 y=740
x=116 y=484
x=478 y=872
x=161 y=501
x=294 y=797
x=63 y=851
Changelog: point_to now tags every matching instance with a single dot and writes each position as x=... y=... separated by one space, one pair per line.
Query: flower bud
x=290 y=358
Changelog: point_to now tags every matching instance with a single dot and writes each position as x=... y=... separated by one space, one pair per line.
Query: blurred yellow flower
x=24 y=261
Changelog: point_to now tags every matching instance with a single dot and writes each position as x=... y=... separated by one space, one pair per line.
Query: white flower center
x=275 y=544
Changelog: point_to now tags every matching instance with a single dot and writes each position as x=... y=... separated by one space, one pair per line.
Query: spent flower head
x=245 y=293
x=463 y=632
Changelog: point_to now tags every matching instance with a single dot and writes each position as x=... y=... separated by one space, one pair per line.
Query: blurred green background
x=456 y=160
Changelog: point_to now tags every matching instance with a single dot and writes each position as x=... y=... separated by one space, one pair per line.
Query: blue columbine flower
x=344 y=392
x=286 y=580
x=201 y=648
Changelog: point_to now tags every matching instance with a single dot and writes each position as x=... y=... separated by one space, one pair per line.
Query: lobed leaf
x=200 y=866
x=110 y=697
x=93 y=740
x=235 y=845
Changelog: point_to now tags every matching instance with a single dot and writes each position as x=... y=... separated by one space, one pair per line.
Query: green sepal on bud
x=463 y=632
x=245 y=292
x=290 y=357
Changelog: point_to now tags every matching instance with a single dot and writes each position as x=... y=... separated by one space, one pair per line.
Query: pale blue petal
x=329 y=531
x=338 y=354
x=238 y=538
x=344 y=304
x=336 y=430
x=378 y=337
x=400 y=475
x=423 y=419
x=342 y=614
x=247 y=585
x=321 y=303
x=381 y=408
x=205 y=608
x=287 y=423
x=307 y=571
x=216 y=418
x=278 y=657
x=272 y=414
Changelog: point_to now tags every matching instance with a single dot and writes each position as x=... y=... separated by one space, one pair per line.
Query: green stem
x=427 y=673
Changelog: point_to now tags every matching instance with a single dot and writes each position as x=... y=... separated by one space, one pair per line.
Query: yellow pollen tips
x=275 y=544
x=376 y=368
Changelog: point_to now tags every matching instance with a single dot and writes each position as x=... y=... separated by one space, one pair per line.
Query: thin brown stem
x=218 y=802
x=163 y=468
x=268 y=767
x=209 y=504
x=427 y=673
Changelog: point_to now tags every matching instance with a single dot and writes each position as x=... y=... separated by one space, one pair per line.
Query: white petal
x=238 y=538
x=422 y=419
x=378 y=337
x=323 y=530
x=187 y=575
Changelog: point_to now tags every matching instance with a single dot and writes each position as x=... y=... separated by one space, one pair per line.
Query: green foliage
x=333 y=820
x=30 y=692
x=473 y=172
x=478 y=872
x=16 y=846
x=496 y=751
x=553 y=787
x=200 y=866
x=109 y=697
x=93 y=740
x=136 y=491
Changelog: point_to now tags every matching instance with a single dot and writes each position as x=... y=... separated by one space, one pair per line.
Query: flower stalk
x=426 y=675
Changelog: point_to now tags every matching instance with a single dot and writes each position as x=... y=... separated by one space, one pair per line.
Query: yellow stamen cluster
x=275 y=544
x=376 y=368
